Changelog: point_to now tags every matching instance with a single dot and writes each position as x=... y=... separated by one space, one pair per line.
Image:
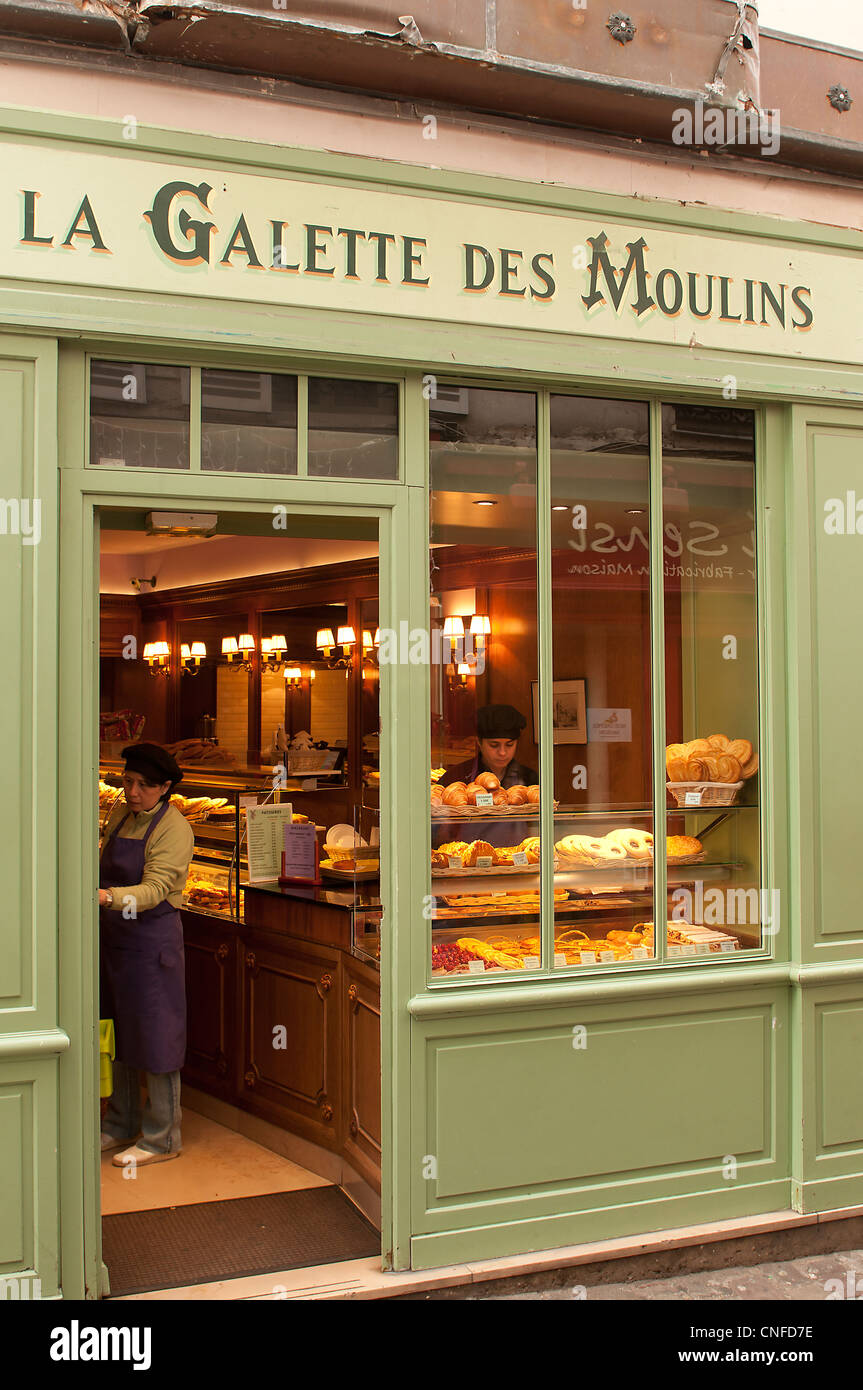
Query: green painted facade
x=758 y=1060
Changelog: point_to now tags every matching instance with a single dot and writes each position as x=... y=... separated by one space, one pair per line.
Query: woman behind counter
x=498 y=728
x=146 y=852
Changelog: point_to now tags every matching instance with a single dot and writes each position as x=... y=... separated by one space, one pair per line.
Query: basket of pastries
x=458 y=858
x=462 y=798
x=713 y=769
x=625 y=846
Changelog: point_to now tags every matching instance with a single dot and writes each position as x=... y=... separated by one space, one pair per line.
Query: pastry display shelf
x=531 y=812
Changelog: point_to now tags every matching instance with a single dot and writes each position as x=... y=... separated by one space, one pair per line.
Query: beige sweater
x=167 y=856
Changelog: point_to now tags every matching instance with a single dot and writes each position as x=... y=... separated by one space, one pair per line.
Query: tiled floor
x=216 y=1164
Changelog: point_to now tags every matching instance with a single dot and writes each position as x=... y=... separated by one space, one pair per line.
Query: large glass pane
x=248 y=422
x=485 y=802
x=353 y=429
x=601 y=693
x=715 y=898
x=139 y=415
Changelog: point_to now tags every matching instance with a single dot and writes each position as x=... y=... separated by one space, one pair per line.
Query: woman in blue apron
x=143 y=868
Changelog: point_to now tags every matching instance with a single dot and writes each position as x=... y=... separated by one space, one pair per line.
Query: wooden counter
x=284 y=1019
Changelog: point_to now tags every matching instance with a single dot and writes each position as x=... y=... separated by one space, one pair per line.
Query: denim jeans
x=159 y=1125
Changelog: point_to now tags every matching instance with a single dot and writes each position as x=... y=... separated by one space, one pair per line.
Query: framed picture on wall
x=569 y=711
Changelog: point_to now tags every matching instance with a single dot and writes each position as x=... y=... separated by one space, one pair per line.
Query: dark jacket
x=516 y=775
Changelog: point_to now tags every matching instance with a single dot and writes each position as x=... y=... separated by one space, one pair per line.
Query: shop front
x=505 y=535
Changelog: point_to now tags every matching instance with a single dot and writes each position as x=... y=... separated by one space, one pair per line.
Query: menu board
x=265 y=840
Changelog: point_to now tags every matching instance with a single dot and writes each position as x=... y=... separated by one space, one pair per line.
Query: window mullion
x=302 y=426
x=195 y=424
x=544 y=667
x=657 y=684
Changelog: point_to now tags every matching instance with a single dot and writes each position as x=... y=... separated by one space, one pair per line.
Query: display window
x=550 y=810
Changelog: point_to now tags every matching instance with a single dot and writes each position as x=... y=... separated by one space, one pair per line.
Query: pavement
x=809 y=1278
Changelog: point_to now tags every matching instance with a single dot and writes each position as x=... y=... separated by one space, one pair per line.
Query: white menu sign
x=265 y=840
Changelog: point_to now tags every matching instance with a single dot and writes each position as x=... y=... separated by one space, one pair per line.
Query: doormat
x=198 y=1244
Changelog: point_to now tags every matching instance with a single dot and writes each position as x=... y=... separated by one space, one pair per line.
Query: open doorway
x=251 y=659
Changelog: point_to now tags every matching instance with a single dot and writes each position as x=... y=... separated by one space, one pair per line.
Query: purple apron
x=143 y=979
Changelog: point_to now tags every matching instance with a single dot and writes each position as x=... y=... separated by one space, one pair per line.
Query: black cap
x=499 y=721
x=153 y=762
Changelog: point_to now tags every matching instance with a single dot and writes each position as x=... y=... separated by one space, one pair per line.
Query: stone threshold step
x=711 y=1245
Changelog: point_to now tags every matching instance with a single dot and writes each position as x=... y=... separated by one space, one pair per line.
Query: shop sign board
x=88 y=217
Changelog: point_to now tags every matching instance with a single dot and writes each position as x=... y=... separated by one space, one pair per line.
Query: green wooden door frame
x=400 y=514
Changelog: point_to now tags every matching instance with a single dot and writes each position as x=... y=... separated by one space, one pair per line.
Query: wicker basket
x=711 y=793
x=337 y=853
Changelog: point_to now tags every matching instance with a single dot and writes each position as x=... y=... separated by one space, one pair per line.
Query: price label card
x=640 y=953
x=688 y=950
x=728 y=945
x=520 y=858
x=484 y=861
x=674 y=950
x=702 y=948
x=588 y=958
x=454 y=862
x=559 y=959
x=607 y=957
x=484 y=799
x=476 y=967
x=531 y=962
x=692 y=799
x=301 y=852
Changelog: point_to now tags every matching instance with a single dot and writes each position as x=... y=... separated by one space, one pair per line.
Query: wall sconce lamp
x=273 y=652
x=191 y=657
x=370 y=647
x=453 y=628
x=326 y=643
x=157 y=656
x=459 y=676
x=293 y=677
x=239 y=651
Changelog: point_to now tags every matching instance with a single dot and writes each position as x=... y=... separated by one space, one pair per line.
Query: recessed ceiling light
x=485 y=502
x=560 y=507
x=635 y=511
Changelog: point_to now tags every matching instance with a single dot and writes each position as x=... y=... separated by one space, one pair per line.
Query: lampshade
x=453 y=627
x=266 y=646
x=246 y=642
x=148 y=651
x=312 y=673
x=325 y=638
x=199 y=649
x=377 y=639
x=367 y=639
x=463 y=669
x=278 y=643
x=185 y=654
x=480 y=624
x=229 y=646
x=347 y=637
x=293 y=673
x=161 y=649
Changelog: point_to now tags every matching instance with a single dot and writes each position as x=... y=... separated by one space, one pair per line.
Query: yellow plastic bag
x=106 y=1056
